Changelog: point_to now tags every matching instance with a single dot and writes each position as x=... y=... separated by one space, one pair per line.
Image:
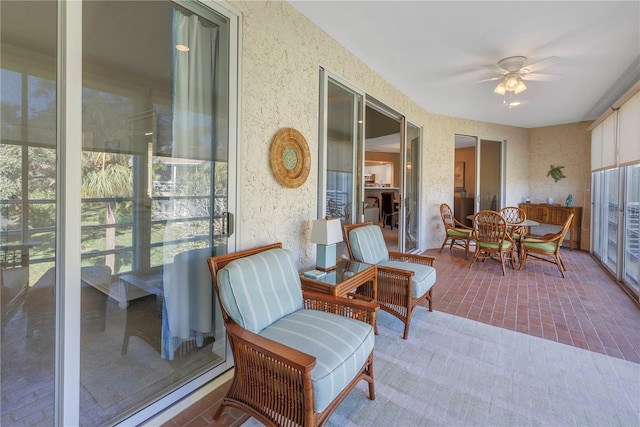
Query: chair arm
x=414 y=258
x=359 y=309
x=547 y=238
x=458 y=224
x=266 y=349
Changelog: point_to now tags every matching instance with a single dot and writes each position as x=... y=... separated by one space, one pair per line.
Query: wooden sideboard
x=556 y=215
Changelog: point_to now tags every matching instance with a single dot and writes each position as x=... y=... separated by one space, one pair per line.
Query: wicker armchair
x=14 y=279
x=492 y=238
x=456 y=232
x=546 y=248
x=404 y=280
x=291 y=365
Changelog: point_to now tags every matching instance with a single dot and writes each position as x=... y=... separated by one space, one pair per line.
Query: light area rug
x=458 y=372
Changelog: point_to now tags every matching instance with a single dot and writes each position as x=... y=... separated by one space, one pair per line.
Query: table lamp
x=326 y=233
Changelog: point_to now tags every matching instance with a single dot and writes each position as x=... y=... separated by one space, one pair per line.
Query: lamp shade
x=326 y=231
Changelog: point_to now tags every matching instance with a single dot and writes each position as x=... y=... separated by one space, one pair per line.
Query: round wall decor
x=290 y=158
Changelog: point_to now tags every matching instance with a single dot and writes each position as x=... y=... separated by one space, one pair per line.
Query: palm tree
x=107 y=176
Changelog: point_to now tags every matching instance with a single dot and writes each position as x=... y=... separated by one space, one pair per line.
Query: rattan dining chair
x=456 y=233
x=297 y=354
x=492 y=239
x=515 y=216
x=546 y=248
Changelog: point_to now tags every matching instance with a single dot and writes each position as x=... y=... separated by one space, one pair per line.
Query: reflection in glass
x=609 y=229
x=412 y=187
x=27 y=211
x=153 y=205
x=631 y=265
x=154 y=199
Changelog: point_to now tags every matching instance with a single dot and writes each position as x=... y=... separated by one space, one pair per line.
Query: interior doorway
x=383 y=172
x=478 y=175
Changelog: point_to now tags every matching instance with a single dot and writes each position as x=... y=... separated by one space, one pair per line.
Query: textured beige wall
x=281 y=55
x=566 y=145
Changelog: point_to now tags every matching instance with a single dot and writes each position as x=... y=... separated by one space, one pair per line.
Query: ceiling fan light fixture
x=512 y=82
x=501 y=89
x=520 y=87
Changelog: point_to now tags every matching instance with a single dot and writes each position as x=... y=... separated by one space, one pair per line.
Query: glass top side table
x=345 y=278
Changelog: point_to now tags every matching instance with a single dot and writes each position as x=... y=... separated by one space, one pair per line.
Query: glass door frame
x=357 y=190
x=68 y=242
x=502 y=183
x=404 y=211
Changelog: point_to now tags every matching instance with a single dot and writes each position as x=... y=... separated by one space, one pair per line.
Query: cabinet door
x=535 y=212
x=558 y=215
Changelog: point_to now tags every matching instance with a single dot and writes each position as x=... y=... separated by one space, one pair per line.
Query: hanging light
x=501 y=89
x=520 y=87
x=510 y=83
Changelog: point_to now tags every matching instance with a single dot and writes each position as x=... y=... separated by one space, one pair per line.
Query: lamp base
x=326 y=257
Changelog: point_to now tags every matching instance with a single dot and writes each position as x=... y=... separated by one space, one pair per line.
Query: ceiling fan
x=514 y=71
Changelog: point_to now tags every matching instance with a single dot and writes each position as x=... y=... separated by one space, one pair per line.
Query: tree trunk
x=110 y=237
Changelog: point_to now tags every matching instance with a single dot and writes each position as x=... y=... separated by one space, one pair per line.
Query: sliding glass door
x=340 y=154
x=144 y=186
x=365 y=150
x=616 y=223
x=412 y=165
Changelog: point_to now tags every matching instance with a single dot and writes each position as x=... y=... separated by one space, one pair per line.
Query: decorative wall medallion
x=556 y=173
x=290 y=158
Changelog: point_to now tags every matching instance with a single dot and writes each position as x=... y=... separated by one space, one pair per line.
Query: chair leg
x=446 y=239
x=560 y=266
x=405 y=335
x=219 y=411
x=564 y=267
x=523 y=259
x=475 y=257
x=501 y=256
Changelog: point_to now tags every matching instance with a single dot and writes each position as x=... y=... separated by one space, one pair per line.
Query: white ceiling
x=438 y=52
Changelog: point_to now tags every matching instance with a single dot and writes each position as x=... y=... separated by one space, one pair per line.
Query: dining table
x=525 y=223
x=516 y=225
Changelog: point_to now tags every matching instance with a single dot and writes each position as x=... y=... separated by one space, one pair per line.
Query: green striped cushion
x=340 y=345
x=550 y=247
x=367 y=244
x=505 y=245
x=423 y=279
x=459 y=232
x=259 y=289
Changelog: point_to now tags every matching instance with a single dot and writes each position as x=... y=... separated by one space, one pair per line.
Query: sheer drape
x=188 y=311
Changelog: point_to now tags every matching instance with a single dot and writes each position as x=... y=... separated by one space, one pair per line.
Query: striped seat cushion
x=459 y=232
x=505 y=245
x=424 y=276
x=367 y=244
x=340 y=345
x=545 y=246
x=260 y=289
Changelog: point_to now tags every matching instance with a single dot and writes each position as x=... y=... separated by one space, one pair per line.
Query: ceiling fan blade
x=543 y=63
x=492 y=79
x=546 y=77
x=494 y=68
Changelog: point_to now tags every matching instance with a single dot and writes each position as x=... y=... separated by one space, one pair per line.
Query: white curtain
x=188 y=311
